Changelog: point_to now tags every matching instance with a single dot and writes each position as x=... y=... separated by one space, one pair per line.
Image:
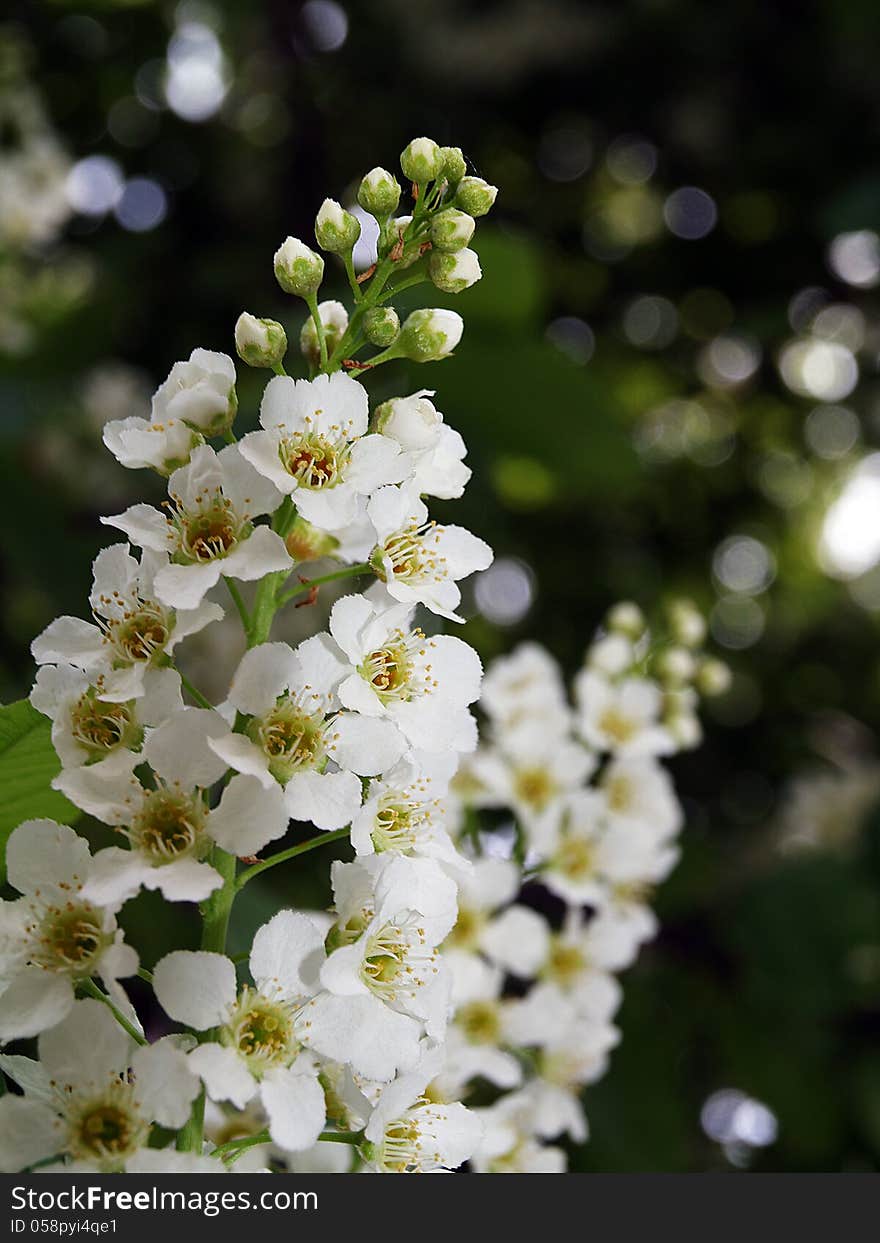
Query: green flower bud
x=430 y=334
x=422 y=161
x=381 y=325
x=259 y=342
x=298 y=269
x=675 y=666
x=451 y=230
x=307 y=543
x=454 y=166
x=336 y=229
x=713 y=677
x=627 y=619
x=334 y=318
x=379 y=193
x=686 y=622
x=453 y=273
x=475 y=196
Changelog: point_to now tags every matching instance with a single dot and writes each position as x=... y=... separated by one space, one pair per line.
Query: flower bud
x=298 y=269
x=454 y=166
x=627 y=618
x=394 y=233
x=454 y=273
x=422 y=161
x=336 y=229
x=413 y=422
x=430 y=334
x=379 y=193
x=307 y=543
x=612 y=655
x=475 y=196
x=334 y=319
x=381 y=325
x=686 y=622
x=451 y=230
x=259 y=342
x=675 y=665
x=713 y=677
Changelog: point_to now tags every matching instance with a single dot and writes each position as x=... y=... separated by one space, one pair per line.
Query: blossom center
x=291 y=735
x=391 y=670
x=398 y=960
x=534 y=787
x=208 y=531
x=480 y=1022
x=565 y=963
x=70 y=939
x=398 y=823
x=617 y=725
x=619 y=793
x=100 y=726
x=467 y=928
x=314 y=461
x=412 y=555
x=107 y=1129
x=261 y=1031
x=169 y=826
x=141 y=635
x=576 y=857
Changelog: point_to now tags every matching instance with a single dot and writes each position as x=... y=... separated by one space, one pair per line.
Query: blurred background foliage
x=668 y=384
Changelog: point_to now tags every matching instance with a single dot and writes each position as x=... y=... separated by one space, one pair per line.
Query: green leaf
x=28 y=764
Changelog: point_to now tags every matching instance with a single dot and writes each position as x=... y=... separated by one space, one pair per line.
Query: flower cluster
x=364 y=1024
x=556 y=901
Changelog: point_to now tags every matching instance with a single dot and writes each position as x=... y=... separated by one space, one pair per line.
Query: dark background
x=766 y=976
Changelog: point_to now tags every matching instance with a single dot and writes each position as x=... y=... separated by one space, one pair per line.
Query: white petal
x=144 y=526
x=86 y=1048
x=376 y=1041
x=225 y=1075
x=244 y=756
x=29 y=1131
x=250 y=492
x=184 y=880
x=263 y=674
x=42 y=853
x=327 y=800
x=518 y=940
x=34 y=1001
x=366 y=745
x=31 y=1076
x=296 y=1108
x=195 y=987
x=68 y=639
x=348 y=617
x=375 y=460
x=249 y=816
x=178 y=748
x=323 y=666
x=287 y=955
x=164 y=1082
x=261 y=450
x=184 y=586
x=264 y=552
x=161 y=696
x=341 y=973
x=116 y=876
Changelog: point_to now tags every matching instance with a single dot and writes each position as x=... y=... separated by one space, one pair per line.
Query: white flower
x=639 y=792
x=612 y=654
x=420 y=562
x=622 y=717
x=435 y=451
x=422 y=684
x=525 y=689
x=137 y=443
x=93 y=1096
x=207 y=530
x=267 y=1030
x=314 y=446
x=200 y=392
x=52 y=936
x=530 y=771
x=485 y=888
x=405 y=811
x=170 y=825
x=132 y=628
x=578 y=961
x=472 y=1048
x=392 y=912
x=406 y=1134
x=296 y=737
x=508 y=1145
x=88 y=728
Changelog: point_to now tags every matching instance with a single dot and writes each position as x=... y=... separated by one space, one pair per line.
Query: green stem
x=341 y=1137
x=217 y=907
x=278 y=368
x=190 y=1137
x=407 y=284
x=89 y=986
x=350 y=571
x=312 y=303
x=230 y=437
x=233 y=1149
x=196 y=694
x=352 y=279
x=239 y=602
x=143 y=974
x=291 y=853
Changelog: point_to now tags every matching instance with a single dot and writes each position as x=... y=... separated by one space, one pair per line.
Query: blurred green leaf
x=28 y=764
